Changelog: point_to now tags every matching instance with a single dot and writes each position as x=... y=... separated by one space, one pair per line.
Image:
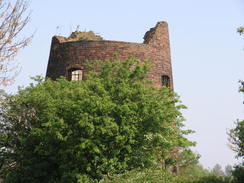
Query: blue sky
x=207 y=54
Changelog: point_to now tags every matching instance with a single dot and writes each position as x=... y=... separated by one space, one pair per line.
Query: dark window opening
x=165 y=81
x=75 y=74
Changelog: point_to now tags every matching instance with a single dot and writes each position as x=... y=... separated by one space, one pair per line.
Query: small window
x=75 y=74
x=165 y=81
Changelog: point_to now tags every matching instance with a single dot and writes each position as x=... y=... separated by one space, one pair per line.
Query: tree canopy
x=236 y=138
x=237 y=134
x=114 y=121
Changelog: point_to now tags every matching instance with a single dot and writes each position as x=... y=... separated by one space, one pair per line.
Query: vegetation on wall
x=83 y=35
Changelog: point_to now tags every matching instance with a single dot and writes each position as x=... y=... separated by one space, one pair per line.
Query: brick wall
x=67 y=54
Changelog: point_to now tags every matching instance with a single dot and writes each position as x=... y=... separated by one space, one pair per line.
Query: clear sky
x=207 y=54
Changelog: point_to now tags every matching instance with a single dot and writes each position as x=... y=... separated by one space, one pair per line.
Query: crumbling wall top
x=79 y=36
x=153 y=36
x=154 y=32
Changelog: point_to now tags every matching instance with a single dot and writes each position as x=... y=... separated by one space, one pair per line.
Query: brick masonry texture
x=65 y=55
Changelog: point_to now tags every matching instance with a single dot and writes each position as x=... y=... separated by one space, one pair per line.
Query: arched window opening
x=165 y=81
x=75 y=74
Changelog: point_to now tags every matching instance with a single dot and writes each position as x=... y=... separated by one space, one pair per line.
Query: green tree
x=228 y=170
x=62 y=131
x=238 y=173
x=187 y=158
x=236 y=135
x=236 y=138
x=217 y=170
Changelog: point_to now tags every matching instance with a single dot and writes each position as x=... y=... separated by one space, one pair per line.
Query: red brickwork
x=72 y=54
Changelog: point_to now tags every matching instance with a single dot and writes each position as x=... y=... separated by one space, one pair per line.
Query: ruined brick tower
x=67 y=55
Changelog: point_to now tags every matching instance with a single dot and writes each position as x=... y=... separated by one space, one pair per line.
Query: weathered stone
x=67 y=53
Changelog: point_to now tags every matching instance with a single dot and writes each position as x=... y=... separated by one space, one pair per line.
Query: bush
x=238 y=174
x=159 y=175
x=213 y=179
x=144 y=175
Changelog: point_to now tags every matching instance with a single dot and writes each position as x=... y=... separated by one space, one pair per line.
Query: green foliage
x=194 y=171
x=62 y=131
x=228 y=170
x=238 y=174
x=217 y=170
x=236 y=138
x=163 y=176
x=80 y=36
x=187 y=158
x=213 y=179
x=236 y=135
x=141 y=176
